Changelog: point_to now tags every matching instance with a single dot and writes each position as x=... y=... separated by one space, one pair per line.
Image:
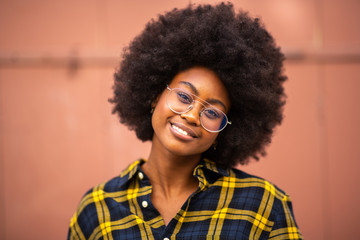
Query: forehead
x=206 y=84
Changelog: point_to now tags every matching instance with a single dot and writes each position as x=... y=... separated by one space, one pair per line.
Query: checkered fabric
x=229 y=204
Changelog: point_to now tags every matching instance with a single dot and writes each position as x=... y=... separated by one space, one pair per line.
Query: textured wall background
x=58 y=137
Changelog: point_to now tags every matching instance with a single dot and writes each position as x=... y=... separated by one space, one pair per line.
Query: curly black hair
x=233 y=45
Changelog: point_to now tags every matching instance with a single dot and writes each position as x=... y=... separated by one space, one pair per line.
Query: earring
x=152 y=110
x=214 y=145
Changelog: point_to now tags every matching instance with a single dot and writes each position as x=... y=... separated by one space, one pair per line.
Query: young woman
x=204 y=84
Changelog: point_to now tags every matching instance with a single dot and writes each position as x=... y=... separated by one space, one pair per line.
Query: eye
x=184 y=97
x=212 y=113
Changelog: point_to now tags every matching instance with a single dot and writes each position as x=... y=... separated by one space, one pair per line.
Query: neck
x=171 y=175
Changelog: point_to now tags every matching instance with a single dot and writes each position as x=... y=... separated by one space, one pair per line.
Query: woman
x=204 y=84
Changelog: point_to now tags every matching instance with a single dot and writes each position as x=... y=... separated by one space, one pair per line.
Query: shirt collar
x=212 y=167
x=132 y=169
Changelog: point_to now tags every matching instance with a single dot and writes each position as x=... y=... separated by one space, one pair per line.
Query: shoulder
x=261 y=202
x=271 y=204
x=85 y=219
x=259 y=188
x=275 y=205
x=246 y=180
x=238 y=179
x=115 y=184
x=94 y=203
x=244 y=186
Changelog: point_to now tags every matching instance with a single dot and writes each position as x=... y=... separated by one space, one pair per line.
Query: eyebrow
x=190 y=86
x=209 y=100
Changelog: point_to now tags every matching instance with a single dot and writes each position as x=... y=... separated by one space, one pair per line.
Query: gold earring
x=214 y=145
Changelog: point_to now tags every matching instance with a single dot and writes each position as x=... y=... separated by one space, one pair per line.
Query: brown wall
x=58 y=137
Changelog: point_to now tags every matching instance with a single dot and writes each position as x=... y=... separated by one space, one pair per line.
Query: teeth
x=180 y=130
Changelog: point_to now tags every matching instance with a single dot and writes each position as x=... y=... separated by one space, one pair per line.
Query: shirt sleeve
x=285 y=226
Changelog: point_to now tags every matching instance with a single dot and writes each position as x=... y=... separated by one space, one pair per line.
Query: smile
x=182 y=130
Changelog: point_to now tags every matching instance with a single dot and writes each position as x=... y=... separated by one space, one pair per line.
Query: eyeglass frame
x=191 y=106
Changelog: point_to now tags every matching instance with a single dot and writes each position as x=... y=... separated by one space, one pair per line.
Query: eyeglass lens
x=211 y=118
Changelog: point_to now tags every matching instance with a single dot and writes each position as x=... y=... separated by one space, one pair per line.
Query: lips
x=182 y=130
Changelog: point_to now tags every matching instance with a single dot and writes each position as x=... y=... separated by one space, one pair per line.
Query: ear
x=155 y=102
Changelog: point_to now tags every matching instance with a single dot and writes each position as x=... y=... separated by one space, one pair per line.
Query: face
x=182 y=134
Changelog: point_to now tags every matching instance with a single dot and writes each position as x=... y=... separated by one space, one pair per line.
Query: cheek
x=160 y=114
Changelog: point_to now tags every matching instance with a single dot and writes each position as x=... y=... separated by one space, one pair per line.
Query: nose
x=193 y=115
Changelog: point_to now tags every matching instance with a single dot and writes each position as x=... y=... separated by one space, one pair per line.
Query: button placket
x=141 y=177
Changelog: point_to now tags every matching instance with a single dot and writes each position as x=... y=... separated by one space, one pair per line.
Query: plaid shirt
x=229 y=204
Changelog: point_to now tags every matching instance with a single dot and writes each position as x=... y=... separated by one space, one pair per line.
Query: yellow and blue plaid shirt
x=229 y=204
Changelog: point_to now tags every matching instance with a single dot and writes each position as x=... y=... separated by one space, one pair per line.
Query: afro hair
x=233 y=45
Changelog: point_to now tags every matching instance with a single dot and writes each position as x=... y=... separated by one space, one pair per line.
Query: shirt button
x=141 y=176
x=166 y=239
x=144 y=204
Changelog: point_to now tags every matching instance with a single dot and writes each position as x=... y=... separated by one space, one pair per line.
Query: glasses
x=211 y=118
